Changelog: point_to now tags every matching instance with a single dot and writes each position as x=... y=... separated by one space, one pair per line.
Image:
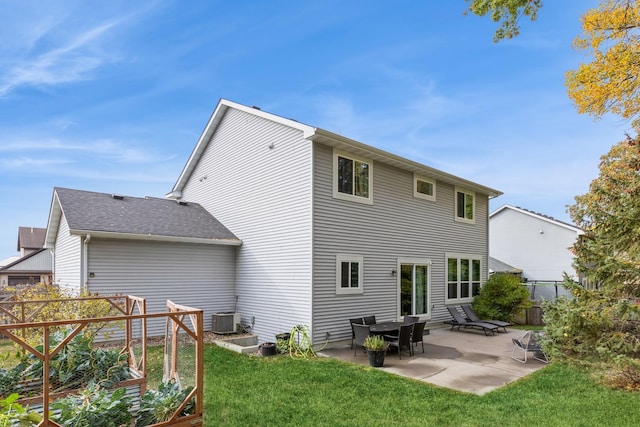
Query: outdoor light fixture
x=394 y=272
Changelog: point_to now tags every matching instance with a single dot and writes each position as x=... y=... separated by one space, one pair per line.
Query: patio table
x=382 y=328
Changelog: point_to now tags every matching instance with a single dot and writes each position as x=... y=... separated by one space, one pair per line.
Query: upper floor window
x=424 y=188
x=465 y=206
x=352 y=178
x=349 y=274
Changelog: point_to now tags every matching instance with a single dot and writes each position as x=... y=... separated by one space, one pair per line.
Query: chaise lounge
x=459 y=321
x=472 y=316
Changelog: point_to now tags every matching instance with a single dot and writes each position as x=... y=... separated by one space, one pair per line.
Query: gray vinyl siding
x=67 y=260
x=38 y=262
x=199 y=276
x=396 y=225
x=255 y=177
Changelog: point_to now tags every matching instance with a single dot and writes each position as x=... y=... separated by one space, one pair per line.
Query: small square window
x=424 y=188
x=349 y=274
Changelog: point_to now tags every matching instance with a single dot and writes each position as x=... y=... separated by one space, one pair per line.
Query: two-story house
x=330 y=228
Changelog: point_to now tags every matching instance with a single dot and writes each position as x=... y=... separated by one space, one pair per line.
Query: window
x=424 y=188
x=463 y=277
x=414 y=287
x=351 y=178
x=465 y=206
x=349 y=274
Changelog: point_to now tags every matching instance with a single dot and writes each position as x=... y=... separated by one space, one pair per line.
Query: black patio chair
x=403 y=340
x=418 y=334
x=357 y=320
x=369 y=320
x=411 y=319
x=459 y=321
x=471 y=315
x=361 y=333
x=528 y=343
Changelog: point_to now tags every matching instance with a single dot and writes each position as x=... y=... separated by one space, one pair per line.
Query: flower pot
x=376 y=357
x=283 y=336
x=268 y=348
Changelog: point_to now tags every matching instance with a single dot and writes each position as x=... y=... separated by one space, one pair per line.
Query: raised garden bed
x=94 y=370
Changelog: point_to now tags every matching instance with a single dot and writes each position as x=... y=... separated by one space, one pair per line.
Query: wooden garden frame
x=179 y=318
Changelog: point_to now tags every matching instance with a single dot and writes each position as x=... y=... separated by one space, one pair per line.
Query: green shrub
x=501 y=298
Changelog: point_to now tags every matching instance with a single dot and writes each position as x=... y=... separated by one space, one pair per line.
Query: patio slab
x=466 y=361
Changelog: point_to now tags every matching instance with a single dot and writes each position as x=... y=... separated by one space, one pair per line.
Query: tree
x=609 y=215
x=610 y=83
x=501 y=297
x=507 y=13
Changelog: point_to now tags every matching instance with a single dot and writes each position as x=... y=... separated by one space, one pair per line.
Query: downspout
x=85 y=264
x=53 y=265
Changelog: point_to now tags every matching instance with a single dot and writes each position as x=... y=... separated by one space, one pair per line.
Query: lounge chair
x=528 y=343
x=410 y=319
x=459 y=321
x=471 y=315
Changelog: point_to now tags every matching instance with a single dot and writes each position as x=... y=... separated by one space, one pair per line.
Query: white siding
x=38 y=262
x=199 y=276
x=397 y=225
x=516 y=238
x=67 y=259
x=255 y=177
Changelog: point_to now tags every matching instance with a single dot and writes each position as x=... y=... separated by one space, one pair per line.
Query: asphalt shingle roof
x=31 y=237
x=148 y=216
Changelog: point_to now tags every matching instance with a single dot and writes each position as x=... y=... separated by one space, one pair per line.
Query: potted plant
x=376 y=349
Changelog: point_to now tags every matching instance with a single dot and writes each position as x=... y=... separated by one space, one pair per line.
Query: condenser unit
x=225 y=323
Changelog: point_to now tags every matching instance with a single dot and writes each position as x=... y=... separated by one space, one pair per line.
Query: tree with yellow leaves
x=610 y=83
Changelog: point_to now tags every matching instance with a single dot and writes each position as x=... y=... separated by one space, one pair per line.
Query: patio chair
x=369 y=320
x=459 y=321
x=528 y=343
x=411 y=319
x=471 y=315
x=403 y=340
x=418 y=334
x=361 y=332
x=357 y=320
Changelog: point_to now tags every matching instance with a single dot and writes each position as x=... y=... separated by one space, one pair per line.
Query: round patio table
x=385 y=327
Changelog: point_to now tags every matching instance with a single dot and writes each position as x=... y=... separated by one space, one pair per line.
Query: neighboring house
x=30 y=239
x=153 y=248
x=497 y=266
x=333 y=228
x=34 y=263
x=535 y=243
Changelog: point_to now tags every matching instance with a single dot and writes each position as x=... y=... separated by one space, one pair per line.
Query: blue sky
x=112 y=96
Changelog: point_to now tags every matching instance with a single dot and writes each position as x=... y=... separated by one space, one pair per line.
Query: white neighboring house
x=34 y=263
x=535 y=243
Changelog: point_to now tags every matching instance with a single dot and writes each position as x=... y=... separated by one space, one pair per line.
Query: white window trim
x=351 y=197
x=459 y=256
x=455 y=202
x=417 y=178
x=340 y=258
x=415 y=261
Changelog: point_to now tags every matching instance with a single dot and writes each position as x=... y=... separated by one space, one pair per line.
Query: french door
x=415 y=287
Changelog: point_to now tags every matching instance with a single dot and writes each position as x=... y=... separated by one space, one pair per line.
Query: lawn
x=241 y=390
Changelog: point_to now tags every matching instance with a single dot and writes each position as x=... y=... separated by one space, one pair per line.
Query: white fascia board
x=157 y=238
x=55 y=214
x=573 y=228
x=334 y=140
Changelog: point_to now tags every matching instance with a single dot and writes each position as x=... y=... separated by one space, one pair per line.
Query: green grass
x=241 y=390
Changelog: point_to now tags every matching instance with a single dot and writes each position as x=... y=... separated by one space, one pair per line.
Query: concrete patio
x=467 y=360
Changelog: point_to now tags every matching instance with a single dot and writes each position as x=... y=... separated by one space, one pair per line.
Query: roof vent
x=117 y=196
x=256 y=108
x=181 y=203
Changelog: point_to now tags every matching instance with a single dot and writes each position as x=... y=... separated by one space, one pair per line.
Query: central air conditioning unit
x=225 y=323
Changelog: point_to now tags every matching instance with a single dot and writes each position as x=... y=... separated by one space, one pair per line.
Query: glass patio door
x=414 y=287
